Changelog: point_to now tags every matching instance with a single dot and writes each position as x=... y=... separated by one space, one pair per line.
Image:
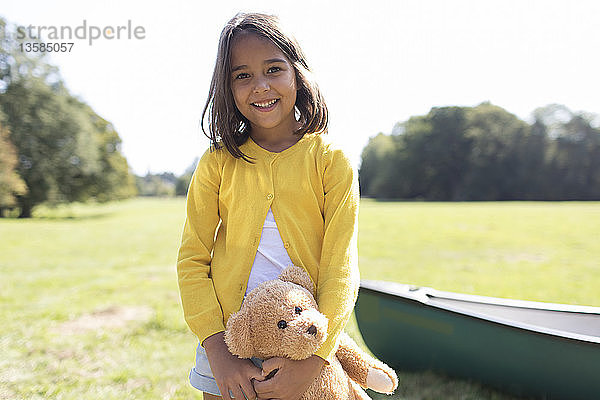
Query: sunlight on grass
x=531 y=251
x=90 y=304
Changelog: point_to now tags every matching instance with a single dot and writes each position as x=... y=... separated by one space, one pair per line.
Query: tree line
x=165 y=184
x=54 y=148
x=485 y=153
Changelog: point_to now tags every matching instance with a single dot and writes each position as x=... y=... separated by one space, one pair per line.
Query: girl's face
x=263 y=83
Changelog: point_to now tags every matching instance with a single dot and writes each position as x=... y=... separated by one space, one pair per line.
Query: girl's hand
x=230 y=372
x=291 y=380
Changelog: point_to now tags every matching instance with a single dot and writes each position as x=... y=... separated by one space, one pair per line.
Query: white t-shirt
x=271 y=257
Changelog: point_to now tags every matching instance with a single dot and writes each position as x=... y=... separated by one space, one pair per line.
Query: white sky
x=377 y=62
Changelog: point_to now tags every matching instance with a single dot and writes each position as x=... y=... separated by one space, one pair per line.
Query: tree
x=16 y=64
x=56 y=146
x=573 y=157
x=11 y=183
x=425 y=159
x=183 y=182
x=446 y=150
x=66 y=152
x=113 y=180
x=486 y=153
x=377 y=168
x=502 y=165
x=156 y=184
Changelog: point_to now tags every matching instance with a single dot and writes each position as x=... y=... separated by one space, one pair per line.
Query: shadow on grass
x=70 y=217
x=57 y=214
x=426 y=385
x=68 y=212
x=73 y=216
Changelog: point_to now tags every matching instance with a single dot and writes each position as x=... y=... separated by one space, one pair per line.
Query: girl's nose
x=261 y=85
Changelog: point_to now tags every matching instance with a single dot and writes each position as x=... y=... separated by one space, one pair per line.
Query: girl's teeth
x=265 y=104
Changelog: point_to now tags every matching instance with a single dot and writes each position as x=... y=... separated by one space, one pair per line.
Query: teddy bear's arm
x=365 y=370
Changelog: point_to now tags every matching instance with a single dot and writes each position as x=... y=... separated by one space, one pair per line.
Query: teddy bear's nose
x=312 y=330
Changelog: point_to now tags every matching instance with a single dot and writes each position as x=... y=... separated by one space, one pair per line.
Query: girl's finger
x=263 y=388
x=270 y=365
x=237 y=393
x=249 y=391
x=225 y=393
x=257 y=374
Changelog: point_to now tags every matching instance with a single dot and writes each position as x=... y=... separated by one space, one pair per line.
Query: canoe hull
x=411 y=335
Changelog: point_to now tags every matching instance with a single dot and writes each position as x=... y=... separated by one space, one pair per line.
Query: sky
x=377 y=62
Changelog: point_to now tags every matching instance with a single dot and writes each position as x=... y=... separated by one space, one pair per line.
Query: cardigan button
x=270 y=196
x=286 y=245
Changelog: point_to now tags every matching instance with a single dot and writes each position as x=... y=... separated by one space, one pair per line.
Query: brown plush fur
x=357 y=365
x=280 y=318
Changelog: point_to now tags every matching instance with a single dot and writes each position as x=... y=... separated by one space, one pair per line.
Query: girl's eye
x=242 y=75
x=274 y=69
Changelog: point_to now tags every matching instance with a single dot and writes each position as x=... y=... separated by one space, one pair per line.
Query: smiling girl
x=276 y=193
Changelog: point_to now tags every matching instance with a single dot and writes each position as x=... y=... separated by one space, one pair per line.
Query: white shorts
x=201 y=376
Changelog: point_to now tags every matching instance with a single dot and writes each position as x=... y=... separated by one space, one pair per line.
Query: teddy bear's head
x=279 y=318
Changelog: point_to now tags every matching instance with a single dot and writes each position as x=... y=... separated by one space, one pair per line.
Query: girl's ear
x=298 y=276
x=237 y=334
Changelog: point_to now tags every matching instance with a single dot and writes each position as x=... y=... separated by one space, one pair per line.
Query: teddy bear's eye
x=282 y=324
x=298 y=310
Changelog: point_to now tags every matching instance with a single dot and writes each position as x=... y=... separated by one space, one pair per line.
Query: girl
x=276 y=193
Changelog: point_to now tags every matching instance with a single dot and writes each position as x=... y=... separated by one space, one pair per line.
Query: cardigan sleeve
x=338 y=279
x=201 y=307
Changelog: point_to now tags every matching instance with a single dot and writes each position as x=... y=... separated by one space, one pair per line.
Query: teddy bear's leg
x=362 y=368
x=359 y=393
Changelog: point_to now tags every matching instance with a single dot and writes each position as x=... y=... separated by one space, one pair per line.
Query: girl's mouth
x=266 y=106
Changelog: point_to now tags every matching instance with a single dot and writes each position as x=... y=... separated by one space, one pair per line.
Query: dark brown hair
x=226 y=124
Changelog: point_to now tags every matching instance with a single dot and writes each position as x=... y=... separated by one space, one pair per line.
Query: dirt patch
x=109 y=318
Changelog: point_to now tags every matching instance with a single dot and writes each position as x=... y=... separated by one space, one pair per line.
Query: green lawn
x=90 y=307
x=531 y=251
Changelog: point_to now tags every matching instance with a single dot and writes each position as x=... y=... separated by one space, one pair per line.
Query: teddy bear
x=280 y=318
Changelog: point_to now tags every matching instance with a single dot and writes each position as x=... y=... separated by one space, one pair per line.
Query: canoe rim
x=424 y=295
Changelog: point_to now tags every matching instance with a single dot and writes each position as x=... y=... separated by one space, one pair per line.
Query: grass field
x=90 y=307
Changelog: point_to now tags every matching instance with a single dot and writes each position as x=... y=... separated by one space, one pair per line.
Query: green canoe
x=527 y=348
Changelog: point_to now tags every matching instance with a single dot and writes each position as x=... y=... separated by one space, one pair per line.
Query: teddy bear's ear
x=237 y=334
x=298 y=276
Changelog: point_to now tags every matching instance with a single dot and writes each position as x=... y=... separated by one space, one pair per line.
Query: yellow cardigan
x=312 y=190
